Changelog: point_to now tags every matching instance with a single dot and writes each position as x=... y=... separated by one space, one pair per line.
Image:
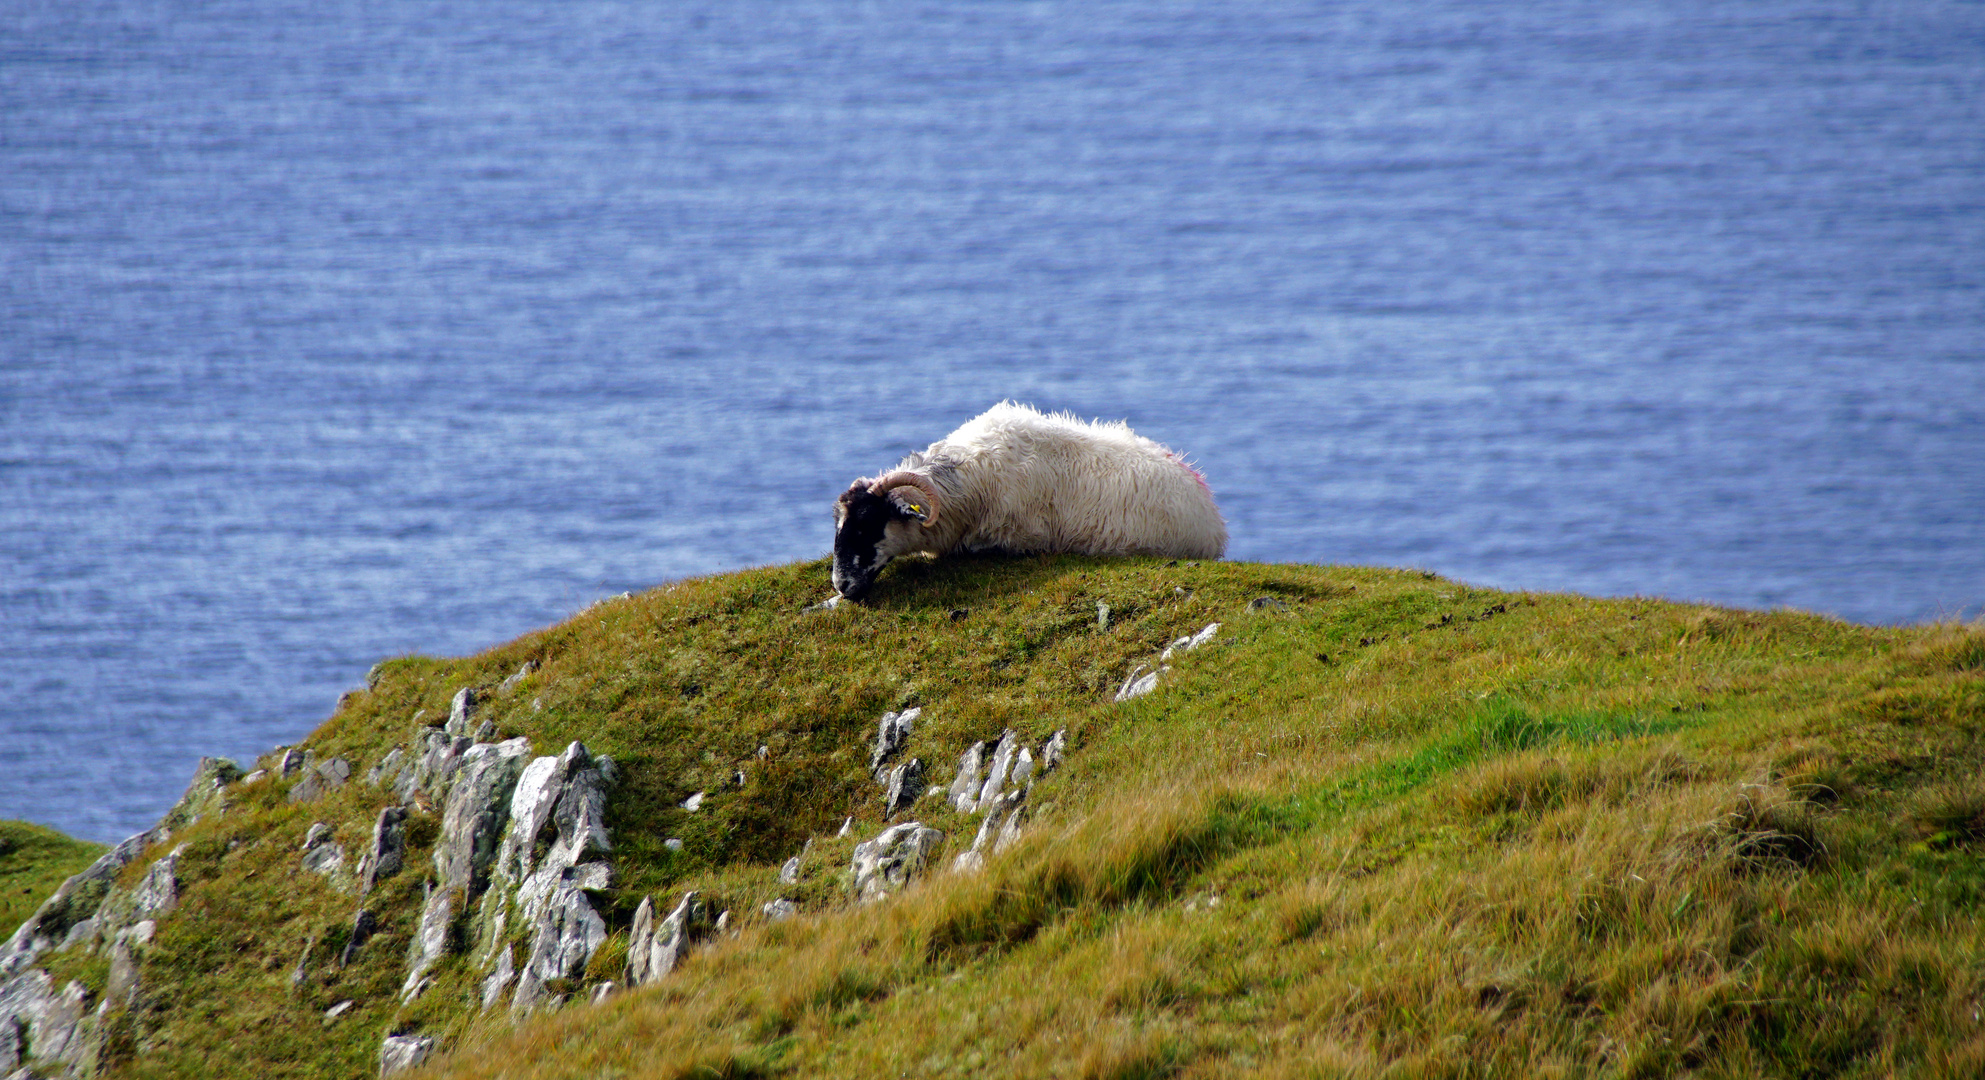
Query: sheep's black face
x=862 y=520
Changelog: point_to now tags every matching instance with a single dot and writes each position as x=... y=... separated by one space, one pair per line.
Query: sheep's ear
x=913 y=503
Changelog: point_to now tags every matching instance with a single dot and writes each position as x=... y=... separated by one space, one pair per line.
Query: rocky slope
x=472 y=856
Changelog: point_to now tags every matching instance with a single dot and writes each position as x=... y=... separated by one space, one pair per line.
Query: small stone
x=364 y=925
x=339 y=1009
x=1187 y=644
x=694 y=802
x=522 y=674
x=402 y=1052
x=1102 y=615
x=1142 y=681
x=602 y=992
x=1265 y=603
x=828 y=604
x=1053 y=751
x=789 y=874
x=326 y=858
x=847 y=827
x=673 y=843
x=781 y=909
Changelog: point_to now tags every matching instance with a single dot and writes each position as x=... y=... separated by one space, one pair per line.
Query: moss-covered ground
x=1384 y=824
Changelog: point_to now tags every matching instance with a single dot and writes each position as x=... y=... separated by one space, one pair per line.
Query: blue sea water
x=331 y=331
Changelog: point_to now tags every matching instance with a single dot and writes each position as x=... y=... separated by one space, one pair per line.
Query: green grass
x=1384 y=824
x=34 y=861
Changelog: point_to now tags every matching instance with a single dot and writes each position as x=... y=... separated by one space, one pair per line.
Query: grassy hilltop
x=1382 y=822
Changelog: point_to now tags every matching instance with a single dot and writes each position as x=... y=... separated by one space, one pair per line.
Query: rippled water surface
x=332 y=331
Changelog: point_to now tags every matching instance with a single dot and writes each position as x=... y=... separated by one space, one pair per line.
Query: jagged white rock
x=964 y=791
x=906 y=783
x=402 y=1052
x=430 y=941
x=1190 y=642
x=654 y=949
x=888 y=862
x=1142 y=681
x=892 y=734
x=1002 y=761
x=567 y=933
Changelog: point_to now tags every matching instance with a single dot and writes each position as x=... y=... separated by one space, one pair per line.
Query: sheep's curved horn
x=921 y=502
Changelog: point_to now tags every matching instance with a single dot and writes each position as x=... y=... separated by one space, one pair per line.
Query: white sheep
x=1016 y=480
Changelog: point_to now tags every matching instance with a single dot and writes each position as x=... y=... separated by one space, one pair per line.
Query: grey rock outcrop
x=523 y=673
x=891 y=735
x=364 y=925
x=906 y=784
x=1053 y=751
x=321 y=854
x=205 y=795
x=388 y=768
x=388 y=850
x=320 y=778
x=75 y=902
x=402 y=1052
x=964 y=790
x=499 y=979
x=654 y=949
x=888 y=862
x=158 y=892
x=559 y=808
x=567 y=933
x=999 y=829
x=1002 y=762
x=55 y=1028
x=1144 y=677
x=430 y=941
x=1008 y=787
x=478 y=807
x=462 y=713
